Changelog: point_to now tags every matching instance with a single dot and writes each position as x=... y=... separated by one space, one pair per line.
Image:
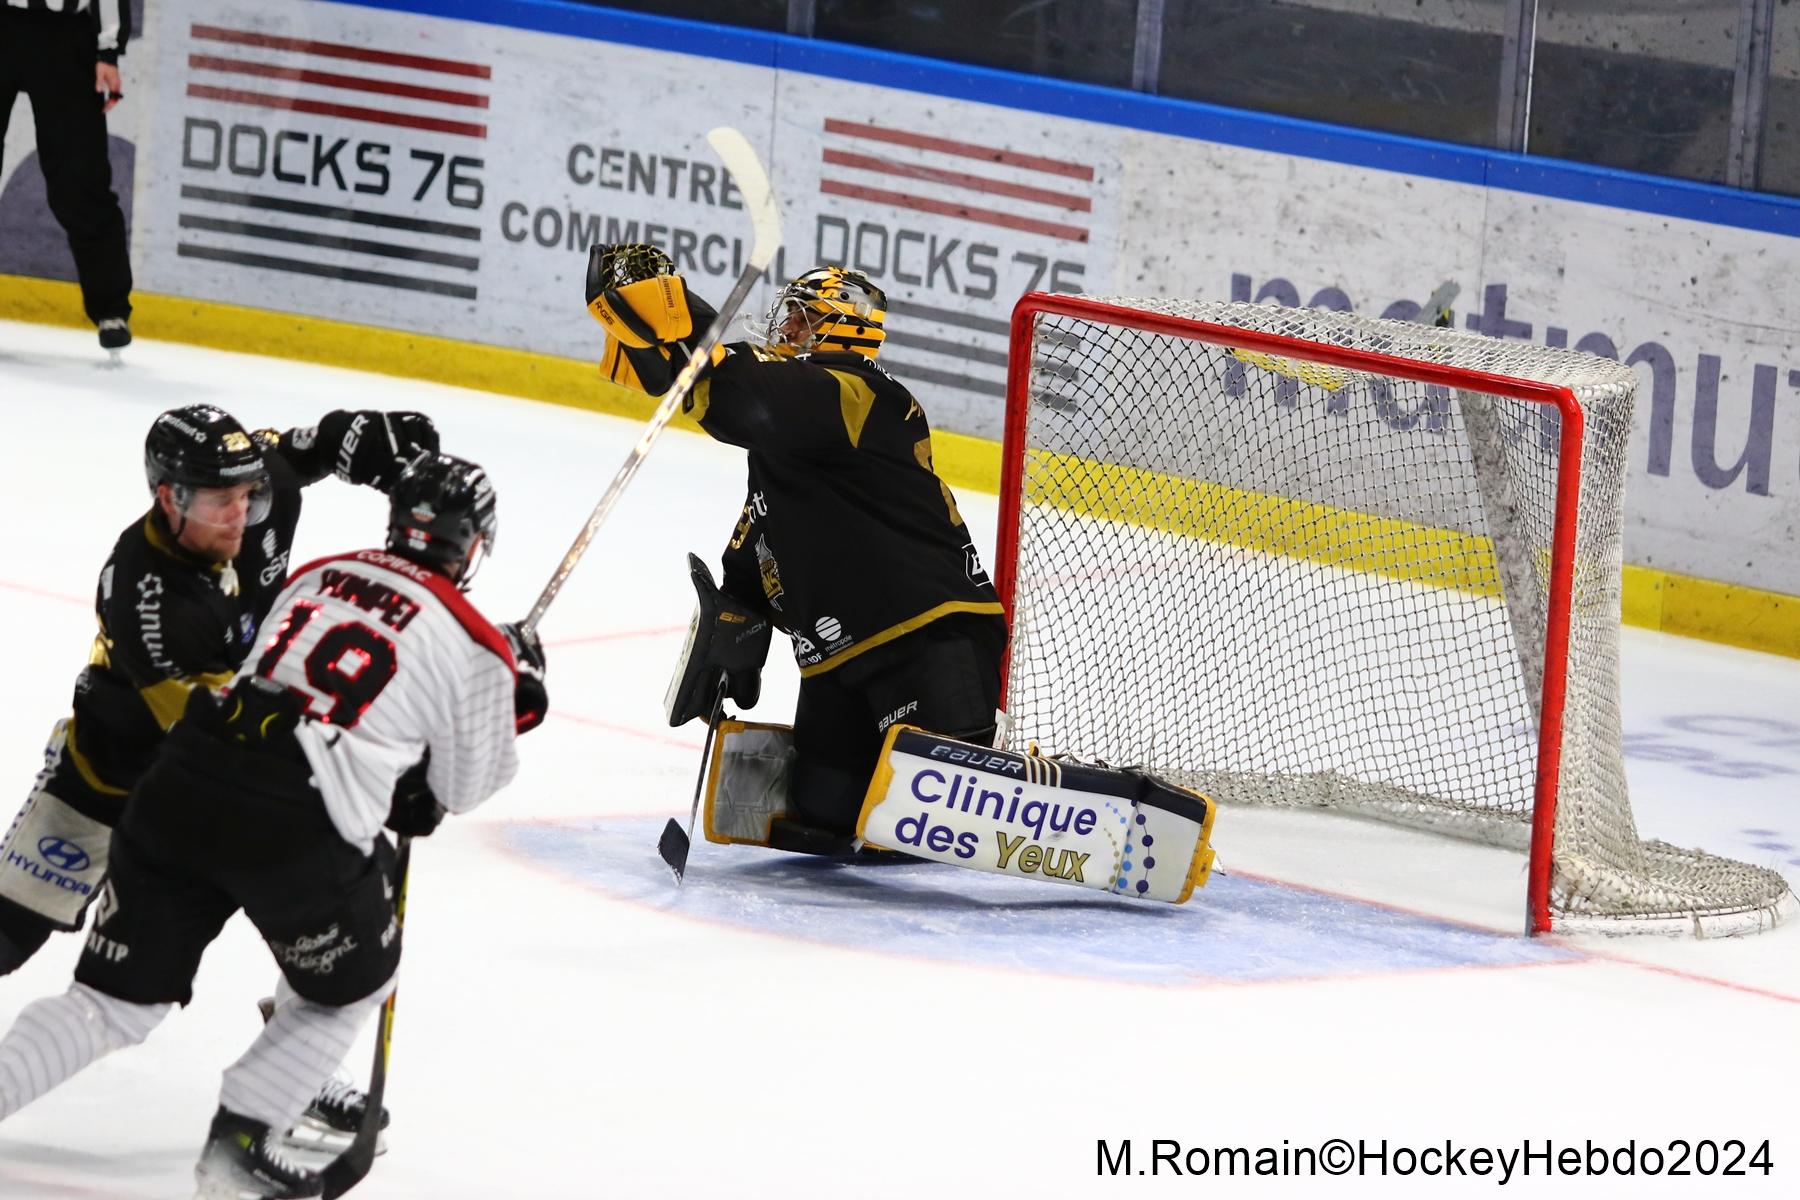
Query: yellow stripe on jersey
x=167 y=698
x=856 y=399
x=85 y=769
x=904 y=627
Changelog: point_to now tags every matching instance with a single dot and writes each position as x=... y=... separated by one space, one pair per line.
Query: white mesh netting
x=1283 y=582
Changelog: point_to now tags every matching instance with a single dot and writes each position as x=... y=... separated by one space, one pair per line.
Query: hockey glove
x=255 y=712
x=415 y=812
x=726 y=641
x=531 y=699
x=370 y=447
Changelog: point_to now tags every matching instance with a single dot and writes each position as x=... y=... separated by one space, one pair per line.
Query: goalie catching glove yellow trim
x=650 y=312
x=649 y=317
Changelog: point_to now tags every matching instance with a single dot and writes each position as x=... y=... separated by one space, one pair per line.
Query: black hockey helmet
x=201 y=446
x=441 y=514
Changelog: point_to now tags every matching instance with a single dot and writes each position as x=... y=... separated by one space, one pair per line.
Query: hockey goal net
x=1300 y=557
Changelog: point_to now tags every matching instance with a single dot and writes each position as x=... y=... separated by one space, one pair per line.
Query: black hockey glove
x=370 y=447
x=727 y=641
x=255 y=712
x=415 y=812
x=531 y=699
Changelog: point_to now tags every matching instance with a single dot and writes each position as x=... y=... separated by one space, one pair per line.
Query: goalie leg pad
x=54 y=858
x=1015 y=814
x=747 y=781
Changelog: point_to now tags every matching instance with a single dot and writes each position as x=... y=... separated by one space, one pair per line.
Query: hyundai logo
x=61 y=852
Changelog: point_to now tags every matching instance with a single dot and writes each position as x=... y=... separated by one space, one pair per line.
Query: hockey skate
x=243 y=1160
x=333 y=1118
x=334 y=1115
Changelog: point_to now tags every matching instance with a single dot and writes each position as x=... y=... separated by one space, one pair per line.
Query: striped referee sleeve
x=114 y=19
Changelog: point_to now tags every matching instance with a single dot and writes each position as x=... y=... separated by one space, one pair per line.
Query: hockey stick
x=348 y=1169
x=1436 y=309
x=740 y=159
x=674 y=844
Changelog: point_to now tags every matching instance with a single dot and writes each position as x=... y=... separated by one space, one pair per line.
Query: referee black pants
x=50 y=58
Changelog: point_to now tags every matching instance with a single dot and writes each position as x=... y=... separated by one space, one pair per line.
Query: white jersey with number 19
x=392 y=662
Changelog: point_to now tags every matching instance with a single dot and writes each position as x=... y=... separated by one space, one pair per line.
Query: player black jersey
x=170 y=620
x=848 y=539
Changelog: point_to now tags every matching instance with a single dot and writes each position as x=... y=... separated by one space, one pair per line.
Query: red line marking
x=629 y=731
x=269 y=41
x=622 y=635
x=208 y=62
x=495 y=832
x=47 y=594
x=998 y=187
x=920 y=141
x=966 y=212
x=1690 y=976
x=348 y=111
x=1567 y=944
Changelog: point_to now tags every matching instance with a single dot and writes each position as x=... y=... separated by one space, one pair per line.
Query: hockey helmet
x=441 y=514
x=828 y=308
x=201 y=446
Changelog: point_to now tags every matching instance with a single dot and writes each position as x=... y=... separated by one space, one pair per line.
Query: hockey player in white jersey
x=378 y=694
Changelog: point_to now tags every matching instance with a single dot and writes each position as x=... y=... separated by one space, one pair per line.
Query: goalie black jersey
x=848 y=539
x=171 y=621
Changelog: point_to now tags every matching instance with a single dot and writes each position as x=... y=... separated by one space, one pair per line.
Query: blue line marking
x=1709 y=203
x=1234 y=930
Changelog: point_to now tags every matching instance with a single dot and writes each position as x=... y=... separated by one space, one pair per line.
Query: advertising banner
x=445 y=176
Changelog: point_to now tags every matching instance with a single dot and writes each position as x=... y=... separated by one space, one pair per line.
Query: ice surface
x=571 y=1025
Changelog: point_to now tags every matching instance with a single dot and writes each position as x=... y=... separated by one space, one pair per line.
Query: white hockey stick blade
x=1437 y=305
x=735 y=151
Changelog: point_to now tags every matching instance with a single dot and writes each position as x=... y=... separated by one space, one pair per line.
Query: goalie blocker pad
x=725 y=639
x=1017 y=814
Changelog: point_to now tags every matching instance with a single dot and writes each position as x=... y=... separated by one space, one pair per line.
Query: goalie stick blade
x=674 y=847
x=734 y=150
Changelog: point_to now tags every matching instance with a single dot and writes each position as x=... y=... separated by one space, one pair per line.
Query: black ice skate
x=243 y=1160
x=334 y=1116
x=115 y=333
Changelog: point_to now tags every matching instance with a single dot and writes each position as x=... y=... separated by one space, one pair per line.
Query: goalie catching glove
x=726 y=641
x=649 y=317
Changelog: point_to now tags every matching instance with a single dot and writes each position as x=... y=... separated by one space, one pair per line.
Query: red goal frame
x=1033 y=305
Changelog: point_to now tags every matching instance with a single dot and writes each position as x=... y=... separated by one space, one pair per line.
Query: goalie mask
x=828 y=308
